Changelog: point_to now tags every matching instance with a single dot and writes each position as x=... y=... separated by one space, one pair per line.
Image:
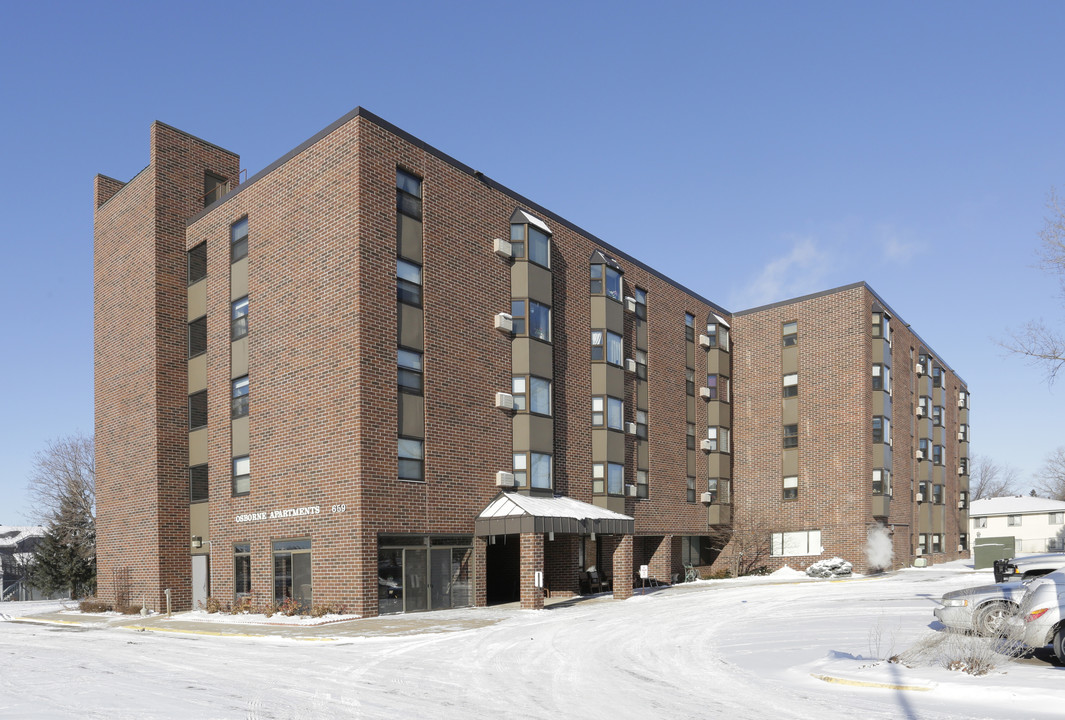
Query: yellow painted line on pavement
x=863 y=683
x=45 y=622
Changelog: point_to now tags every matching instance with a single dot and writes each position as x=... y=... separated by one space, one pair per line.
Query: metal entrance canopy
x=512 y=514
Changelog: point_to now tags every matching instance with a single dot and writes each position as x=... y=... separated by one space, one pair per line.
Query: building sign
x=286 y=513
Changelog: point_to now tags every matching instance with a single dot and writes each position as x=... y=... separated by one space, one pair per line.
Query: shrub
x=289 y=606
x=320 y=609
x=716 y=575
x=760 y=570
x=268 y=609
x=971 y=654
x=128 y=609
x=92 y=605
x=212 y=605
x=831 y=567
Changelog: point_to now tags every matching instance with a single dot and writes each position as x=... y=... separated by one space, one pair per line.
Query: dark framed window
x=595 y=282
x=599 y=478
x=937 y=494
x=641 y=424
x=641 y=484
x=598 y=411
x=689 y=327
x=197 y=263
x=615 y=479
x=691 y=489
x=881 y=429
x=241 y=570
x=598 y=345
x=641 y=364
x=517 y=240
x=691 y=436
x=937 y=455
x=198 y=485
x=689 y=381
x=409 y=370
x=521 y=469
x=411 y=458
x=531 y=394
x=791 y=487
x=239 y=399
x=241 y=475
x=937 y=377
x=937 y=415
x=881 y=481
x=615 y=413
x=613 y=283
x=881 y=377
x=198 y=410
x=882 y=326
x=238 y=318
x=408 y=194
x=791 y=385
x=539 y=247
x=198 y=337
x=718 y=385
x=615 y=349
x=791 y=333
x=719 y=438
x=963 y=465
x=922 y=449
x=214 y=187
x=640 y=296
x=408 y=282
x=517 y=313
x=292 y=571
x=238 y=240
x=791 y=436
x=539 y=321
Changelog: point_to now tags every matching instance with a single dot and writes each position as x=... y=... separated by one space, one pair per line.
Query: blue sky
x=753 y=151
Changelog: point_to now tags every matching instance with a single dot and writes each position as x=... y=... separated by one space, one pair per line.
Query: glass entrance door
x=440 y=579
x=415 y=593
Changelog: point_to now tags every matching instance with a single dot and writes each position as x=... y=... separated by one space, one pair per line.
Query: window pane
x=238 y=230
x=541 y=470
x=409 y=272
x=408 y=183
x=539 y=247
x=412 y=449
x=197 y=410
x=613 y=283
x=614 y=349
x=198 y=337
x=615 y=412
x=409 y=359
x=615 y=484
x=540 y=397
x=198 y=486
x=197 y=263
x=242 y=465
x=239 y=319
x=539 y=321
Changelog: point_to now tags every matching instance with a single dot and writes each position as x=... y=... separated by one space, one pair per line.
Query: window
x=691 y=436
x=539 y=247
x=923 y=362
x=198 y=410
x=238 y=323
x=1013 y=520
x=613 y=283
x=718 y=386
x=689 y=327
x=922 y=543
x=1057 y=518
x=517 y=240
x=614 y=349
x=641 y=305
x=689 y=381
x=615 y=413
x=980 y=522
x=517 y=313
x=411 y=458
x=691 y=489
x=641 y=483
x=198 y=337
x=963 y=399
x=214 y=187
x=882 y=377
x=197 y=263
x=540 y=470
x=238 y=240
x=719 y=439
x=615 y=479
x=408 y=283
x=718 y=335
x=963 y=499
x=963 y=465
x=937 y=494
x=802 y=542
x=241 y=475
x=641 y=424
x=881 y=481
x=937 y=415
x=292 y=571
x=791 y=436
x=598 y=274
x=922 y=446
x=598 y=336
x=791 y=487
x=697 y=550
x=198 y=486
x=241 y=570
x=718 y=489
x=598 y=478
x=595 y=283
x=878 y=327
x=937 y=543
x=598 y=409
x=641 y=364
x=539 y=321
x=518 y=389
x=963 y=541
x=924 y=406
x=963 y=432
x=791 y=385
x=409 y=371
x=239 y=403
x=791 y=333
x=408 y=194
x=882 y=430
x=937 y=454
x=937 y=377
x=521 y=469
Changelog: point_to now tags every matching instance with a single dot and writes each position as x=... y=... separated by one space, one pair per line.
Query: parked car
x=984 y=609
x=1040 y=621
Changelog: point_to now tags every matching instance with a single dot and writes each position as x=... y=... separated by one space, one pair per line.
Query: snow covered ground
x=747 y=648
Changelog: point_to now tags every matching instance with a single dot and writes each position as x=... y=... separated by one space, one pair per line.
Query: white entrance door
x=200 y=582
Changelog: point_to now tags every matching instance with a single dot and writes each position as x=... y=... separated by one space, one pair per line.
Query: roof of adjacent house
x=1018 y=505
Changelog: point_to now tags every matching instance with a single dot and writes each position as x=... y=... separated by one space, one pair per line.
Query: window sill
x=420 y=481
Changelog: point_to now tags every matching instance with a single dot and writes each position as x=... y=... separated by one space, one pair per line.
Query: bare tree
x=747 y=546
x=62 y=483
x=1036 y=341
x=1051 y=476
x=988 y=479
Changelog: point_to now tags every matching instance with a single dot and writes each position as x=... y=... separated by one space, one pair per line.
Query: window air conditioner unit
x=630 y=304
x=961 y=548
x=961 y=470
x=920 y=497
x=918 y=551
x=961 y=436
x=502 y=248
x=631 y=490
x=504 y=401
x=704 y=341
x=961 y=504
x=707 y=498
x=704 y=393
x=630 y=428
x=630 y=365
x=919 y=369
x=504 y=323
x=919 y=454
x=504 y=479
x=920 y=411
x=707 y=445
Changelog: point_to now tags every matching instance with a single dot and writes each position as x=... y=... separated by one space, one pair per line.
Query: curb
x=869 y=684
x=219 y=633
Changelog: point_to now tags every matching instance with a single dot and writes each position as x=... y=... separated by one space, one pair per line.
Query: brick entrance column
x=532 y=561
x=621 y=572
x=480 y=572
x=661 y=565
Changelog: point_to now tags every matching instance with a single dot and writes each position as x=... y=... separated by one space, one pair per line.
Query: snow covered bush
x=832 y=567
x=970 y=654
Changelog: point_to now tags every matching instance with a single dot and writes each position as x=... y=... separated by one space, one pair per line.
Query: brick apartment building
x=371 y=375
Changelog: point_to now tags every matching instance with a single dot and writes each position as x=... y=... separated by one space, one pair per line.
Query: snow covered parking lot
x=748 y=648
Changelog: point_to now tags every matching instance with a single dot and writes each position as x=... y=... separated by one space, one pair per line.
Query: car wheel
x=1059 y=644
x=991 y=619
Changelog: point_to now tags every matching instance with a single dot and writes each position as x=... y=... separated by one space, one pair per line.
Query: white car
x=982 y=609
x=1039 y=623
